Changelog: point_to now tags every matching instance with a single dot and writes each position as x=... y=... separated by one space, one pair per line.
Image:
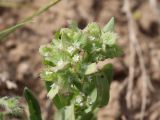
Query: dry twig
x=132 y=35
x=135 y=47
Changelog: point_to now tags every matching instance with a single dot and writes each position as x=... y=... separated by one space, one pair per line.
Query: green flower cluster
x=70 y=61
x=11 y=106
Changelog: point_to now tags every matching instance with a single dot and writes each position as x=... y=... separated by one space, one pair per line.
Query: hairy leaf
x=109 y=27
x=34 y=108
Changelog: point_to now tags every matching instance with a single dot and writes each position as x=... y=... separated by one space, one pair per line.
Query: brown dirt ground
x=20 y=62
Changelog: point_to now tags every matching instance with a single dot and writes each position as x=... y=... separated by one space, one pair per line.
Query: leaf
x=58 y=34
x=73 y=25
x=53 y=55
x=108 y=71
x=66 y=113
x=48 y=75
x=88 y=116
x=48 y=84
x=113 y=51
x=1 y=116
x=69 y=113
x=109 y=38
x=109 y=27
x=93 y=29
x=57 y=101
x=92 y=68
x=8 y=31
x=103 y=84
x=53 y=91
x=34 y=108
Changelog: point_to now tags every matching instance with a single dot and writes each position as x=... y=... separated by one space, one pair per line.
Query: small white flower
x=60 y=63
x=72 y=86
x=76 y=58
x=78 y=100
x=90 y=103
x=70 y=49
x=48 y=72
x=81 y=104
x=92 y=38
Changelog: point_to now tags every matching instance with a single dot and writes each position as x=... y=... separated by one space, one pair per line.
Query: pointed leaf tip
x=109 y=27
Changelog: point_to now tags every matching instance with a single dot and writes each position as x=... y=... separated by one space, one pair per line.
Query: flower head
x=70 y=49
x=76 y=58
x=60 y=62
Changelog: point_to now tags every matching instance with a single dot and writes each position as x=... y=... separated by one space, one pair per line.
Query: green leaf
x=69 y=113
x=103 y=84
x=34 y=108
x=57 y=101
x=53 y=55
x=1 y=116
x=73 y=25
x=8 y=31
x=53 y=91
x=92 y=68
x=46 y=50
x=109 y=27
x=109 y=38
x=48 y=75
x=58 y=34
x=88 y=116
x=113 y=51
x=93 y=29
x=66 y=113
x=108 y=71
x=48 y=85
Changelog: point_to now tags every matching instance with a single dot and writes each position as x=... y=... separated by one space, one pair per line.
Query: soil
x=20 y=62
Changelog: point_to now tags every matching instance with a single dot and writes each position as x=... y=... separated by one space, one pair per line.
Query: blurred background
x=135 y=90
